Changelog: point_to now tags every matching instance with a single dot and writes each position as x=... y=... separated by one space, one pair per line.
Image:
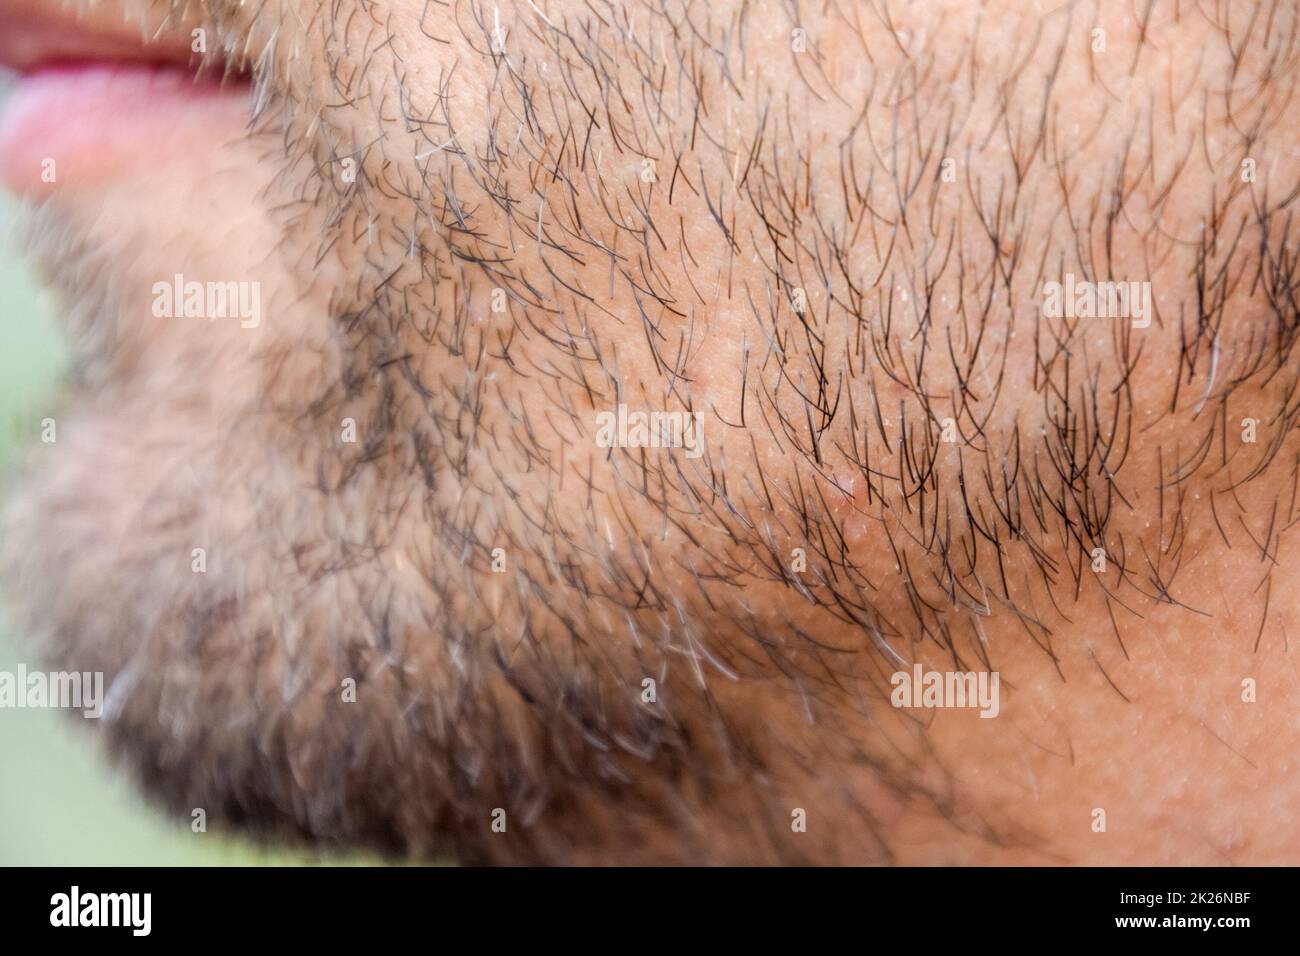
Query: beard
x=365 y=573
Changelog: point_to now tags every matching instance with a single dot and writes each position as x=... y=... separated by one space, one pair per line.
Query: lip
x=38 y=32
x=96 y=97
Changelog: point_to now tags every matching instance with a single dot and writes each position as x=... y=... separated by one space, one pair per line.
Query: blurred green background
x=60 y=801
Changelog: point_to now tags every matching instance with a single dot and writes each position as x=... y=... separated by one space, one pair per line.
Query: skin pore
x=825 y=229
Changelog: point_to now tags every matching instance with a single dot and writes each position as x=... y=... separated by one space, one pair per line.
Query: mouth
x=96 y=97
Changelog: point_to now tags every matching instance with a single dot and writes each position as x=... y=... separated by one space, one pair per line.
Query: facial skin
x=648 y=190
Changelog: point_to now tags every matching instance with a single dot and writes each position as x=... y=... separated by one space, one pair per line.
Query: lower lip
x=78 y=124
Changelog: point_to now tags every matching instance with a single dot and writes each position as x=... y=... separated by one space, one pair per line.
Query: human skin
x=651 y=187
